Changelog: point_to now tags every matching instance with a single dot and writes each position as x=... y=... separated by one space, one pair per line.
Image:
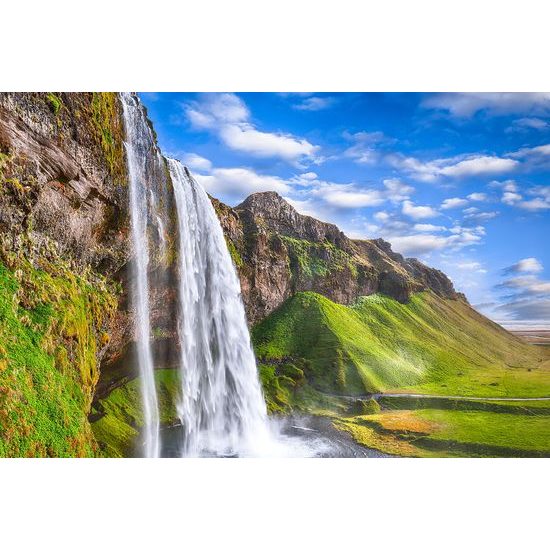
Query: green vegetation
x=317 y=259
x=429 y=432
x=117 y=429
x=108 y=127
x=55 y=103
x=428 y=345
x=51 y=321
x=235 y=256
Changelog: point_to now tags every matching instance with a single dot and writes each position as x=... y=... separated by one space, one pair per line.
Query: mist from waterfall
x=139 y=146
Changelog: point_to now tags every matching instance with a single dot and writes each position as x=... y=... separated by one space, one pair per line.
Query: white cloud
x=228 y=117
x=527 y=265
x=477 y=197
x=453 y=203
x=397 y=191
x=245 y=138
x=526 y=123
x=428 y=227
x=528 y=297
x=508 y=185
x=511 y=198
x=465 y=105
x=469 y=266
x=235 y=184
x=529 y=284
x=196 y=162
x=418 y=212
x=417 y=245
x=533 y=158
x=315 y=103
x=454 y=167
x=347 y=196
x=216 y=109
x=364 y=150
x=472 y=215
x=541 y=194
x=479 y=166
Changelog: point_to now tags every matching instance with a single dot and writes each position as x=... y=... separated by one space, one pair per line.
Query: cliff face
x=279 y=252
x=66 y=320
x=63 y=239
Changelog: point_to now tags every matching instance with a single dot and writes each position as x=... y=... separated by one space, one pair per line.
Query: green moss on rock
x=50 y=319
x=121 y=418
x=108 y=125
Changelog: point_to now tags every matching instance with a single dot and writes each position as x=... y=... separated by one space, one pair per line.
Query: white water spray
x=222 y=408
x=139 y=142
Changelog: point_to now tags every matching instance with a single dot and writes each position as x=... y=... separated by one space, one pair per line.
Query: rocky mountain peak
x=272 y=212
x=279 y=252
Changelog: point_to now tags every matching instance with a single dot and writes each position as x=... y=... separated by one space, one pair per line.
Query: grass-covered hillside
x=51 y=328
x=429 y=345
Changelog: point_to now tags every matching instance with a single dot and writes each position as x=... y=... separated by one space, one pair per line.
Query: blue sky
x=460 y=181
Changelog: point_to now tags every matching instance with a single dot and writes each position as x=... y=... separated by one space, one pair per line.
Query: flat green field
x=448 y=433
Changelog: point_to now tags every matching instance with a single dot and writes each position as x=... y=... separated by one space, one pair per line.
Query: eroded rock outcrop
x=279 y=252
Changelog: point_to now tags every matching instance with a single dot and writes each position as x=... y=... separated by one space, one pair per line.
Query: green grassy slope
x=117 y=430
x=51 y=323
x=428 y=345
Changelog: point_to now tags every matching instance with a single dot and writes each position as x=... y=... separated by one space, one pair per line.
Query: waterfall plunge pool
x=296 y=437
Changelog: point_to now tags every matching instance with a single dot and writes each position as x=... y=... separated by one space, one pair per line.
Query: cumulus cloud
x=477 y=197
x=528 y=123
x=540 y=196
x=527 y=265
x=510 y=198
x=455 y=202
x=418 y=212
x=245 y=138
x=473 y=215
x=364 y=150
x=196 y=162
x=349 y=197
x=453 y=167
x=417 y=245
x=315 y=103
x=235 y=184
x=396 y=190
x=466 y=105
x=525 y=309
x=533 y=158
x=228 y=116
x=527 y=296
x=471 y=266
x=428 y=227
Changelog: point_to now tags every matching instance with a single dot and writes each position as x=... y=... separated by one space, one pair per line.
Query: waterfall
x=139 y=146
x=221 y=406
x=222 y=409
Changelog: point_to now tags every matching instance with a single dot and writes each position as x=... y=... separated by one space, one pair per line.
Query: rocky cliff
x=279 y=252
x=63 y=239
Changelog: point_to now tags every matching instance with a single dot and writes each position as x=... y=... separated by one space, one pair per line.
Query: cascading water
x=139 y=140
x=222 y=408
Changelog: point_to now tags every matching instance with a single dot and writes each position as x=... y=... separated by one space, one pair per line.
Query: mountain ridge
x=279 y=252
